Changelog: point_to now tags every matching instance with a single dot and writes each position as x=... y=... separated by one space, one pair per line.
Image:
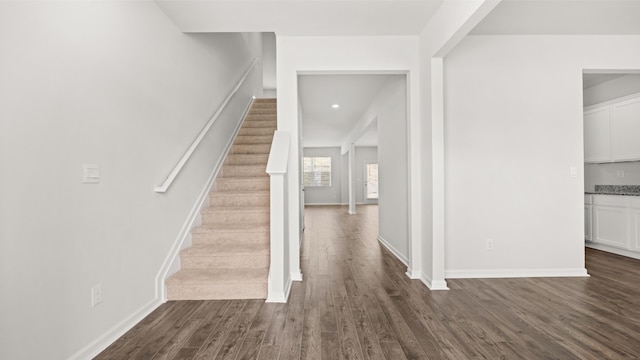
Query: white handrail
x=185 y=158
x=279 y=154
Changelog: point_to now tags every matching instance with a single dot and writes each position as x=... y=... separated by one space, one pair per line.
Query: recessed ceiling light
x=335 y=106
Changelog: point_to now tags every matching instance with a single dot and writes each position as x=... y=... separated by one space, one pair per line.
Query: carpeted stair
x=229 y=256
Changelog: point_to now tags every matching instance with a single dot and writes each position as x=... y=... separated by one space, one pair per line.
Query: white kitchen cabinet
x=597 y=135
x=611 y=221
x=588 y=217
x=634 y=224
x=587 y=222
x=625 y=128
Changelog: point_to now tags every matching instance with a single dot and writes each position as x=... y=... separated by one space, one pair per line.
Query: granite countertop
x=622 y=190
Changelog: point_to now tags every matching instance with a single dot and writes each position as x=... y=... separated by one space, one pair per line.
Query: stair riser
x=217 y=292
x=256 y=159
x=242 y=186
x=218 y=200
x=263 y=110
x=229 y=238
x=269 y=124
x=235 y=218
x=260 y=139
x=258 y=171
x=256 y=131
x=225 y=262
x=261 y=117
x=250 y=149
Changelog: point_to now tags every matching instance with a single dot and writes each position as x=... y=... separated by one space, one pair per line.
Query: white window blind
x=317 y=171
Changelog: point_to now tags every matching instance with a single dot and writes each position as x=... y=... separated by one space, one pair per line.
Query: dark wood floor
x=356 y=303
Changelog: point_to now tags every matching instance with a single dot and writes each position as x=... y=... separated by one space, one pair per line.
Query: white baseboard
x=324 y=204
x=393 y=250
x=433 y=284
x=171 y=263
x=280 y=297
x=616 y=251
x=101 y=343
x=336 y=204
x=296 y=275
x=414 y=275
x=514 y=273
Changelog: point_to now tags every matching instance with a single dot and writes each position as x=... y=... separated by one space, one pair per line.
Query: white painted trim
x=296 y=275
x=515 y=273
x=433 y=285
x=273 y=297
x=613 y=250
x=393 y=250
x=102 y=342
x=278 y=162
x=279 y=281
x=413 y=275
x=196 y=142
x=171 y=263
x=337 y=204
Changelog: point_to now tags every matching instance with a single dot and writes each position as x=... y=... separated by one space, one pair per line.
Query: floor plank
x=357 y=303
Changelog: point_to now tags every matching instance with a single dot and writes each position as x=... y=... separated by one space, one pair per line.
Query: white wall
x=618 y=87
x=269 y=64
x=115 y=84
x=513 y=129
x=391 y=110
x=309 y=54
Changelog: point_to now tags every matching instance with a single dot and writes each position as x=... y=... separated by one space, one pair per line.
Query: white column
x=352 y=179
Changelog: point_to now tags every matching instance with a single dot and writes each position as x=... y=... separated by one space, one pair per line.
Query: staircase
x=229 y=256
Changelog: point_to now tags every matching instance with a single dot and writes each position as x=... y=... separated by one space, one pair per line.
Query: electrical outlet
x=96 y=295
x=489 y=244
x=620 y=173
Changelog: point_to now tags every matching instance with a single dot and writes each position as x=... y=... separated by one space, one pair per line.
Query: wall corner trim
x=393 y=250
x=280 y=297
x=98 y=345
x=434 y=285
x=296 y=275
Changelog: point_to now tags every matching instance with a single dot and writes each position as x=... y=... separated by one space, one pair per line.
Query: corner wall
x=513 y=129
x=118 y=85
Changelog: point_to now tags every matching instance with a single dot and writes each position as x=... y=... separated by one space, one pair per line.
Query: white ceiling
x=302 y=17
x=562 y=17
x=324 y=126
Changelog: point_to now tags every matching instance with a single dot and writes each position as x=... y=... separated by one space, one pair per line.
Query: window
x=317 y=171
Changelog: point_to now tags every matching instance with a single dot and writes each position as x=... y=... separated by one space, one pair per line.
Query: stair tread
x=224 y=250
x=218 y=276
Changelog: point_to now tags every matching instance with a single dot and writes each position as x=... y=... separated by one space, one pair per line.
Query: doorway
x=371 y=181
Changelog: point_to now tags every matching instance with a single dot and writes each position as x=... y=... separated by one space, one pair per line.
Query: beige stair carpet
x=229 y=256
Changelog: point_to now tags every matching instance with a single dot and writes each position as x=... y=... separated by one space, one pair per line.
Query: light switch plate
x=573 y=172
x=90 y=174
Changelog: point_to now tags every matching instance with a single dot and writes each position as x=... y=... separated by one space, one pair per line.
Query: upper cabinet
x=611 y=131
x=625 y=130
x=597 y=135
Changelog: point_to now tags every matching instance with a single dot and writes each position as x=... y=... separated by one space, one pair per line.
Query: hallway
x=356 y=303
